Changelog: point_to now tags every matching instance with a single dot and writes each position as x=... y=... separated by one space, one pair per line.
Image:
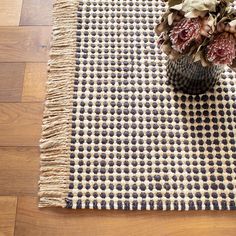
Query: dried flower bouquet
x=202 y=29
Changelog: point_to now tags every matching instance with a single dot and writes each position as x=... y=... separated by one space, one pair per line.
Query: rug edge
x=56 y=127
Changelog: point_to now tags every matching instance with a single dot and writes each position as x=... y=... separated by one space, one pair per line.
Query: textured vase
x=191 y=77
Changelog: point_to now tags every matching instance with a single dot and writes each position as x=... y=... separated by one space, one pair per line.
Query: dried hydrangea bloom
x=185 y=32
x=221 y=50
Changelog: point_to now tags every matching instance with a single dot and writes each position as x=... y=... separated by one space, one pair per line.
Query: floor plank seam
x=14 y=230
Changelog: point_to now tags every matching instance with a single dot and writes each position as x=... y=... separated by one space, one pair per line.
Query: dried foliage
x=204 y=30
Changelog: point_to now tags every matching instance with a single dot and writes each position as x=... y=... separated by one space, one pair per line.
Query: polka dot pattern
x=136 y=143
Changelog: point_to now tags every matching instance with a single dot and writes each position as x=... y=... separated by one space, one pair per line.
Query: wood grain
x=7 y=215
x=20 y=124
x=33 y=221
x=10 y=12
x=11 y=81
x=24 y=44
x=34 y=82
x=19 y=168
x=37 y=12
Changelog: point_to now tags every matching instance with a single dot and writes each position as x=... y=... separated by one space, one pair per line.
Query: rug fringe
x=56 y=130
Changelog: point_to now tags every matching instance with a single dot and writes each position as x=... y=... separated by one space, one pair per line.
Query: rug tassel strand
x=56 y=130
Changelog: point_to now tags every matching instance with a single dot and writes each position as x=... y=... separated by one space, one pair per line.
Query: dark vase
x=191 y=77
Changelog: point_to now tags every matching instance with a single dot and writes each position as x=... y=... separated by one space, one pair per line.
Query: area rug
x=115 y=134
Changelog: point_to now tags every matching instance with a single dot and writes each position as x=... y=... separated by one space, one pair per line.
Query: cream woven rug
x=115 y=133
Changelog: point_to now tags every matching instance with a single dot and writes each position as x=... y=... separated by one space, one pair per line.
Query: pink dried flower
x=185 y=32
x=221 y=50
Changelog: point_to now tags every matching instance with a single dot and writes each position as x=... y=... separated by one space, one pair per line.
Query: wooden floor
x=24 y=43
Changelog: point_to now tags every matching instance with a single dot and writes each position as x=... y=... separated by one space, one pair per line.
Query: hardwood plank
x=10 y=12
x=7 y=215
x=36 y=12
x=24 y=44
x=34 y=82
x=19 y=168
x=11 y=81
x=20 y=124
x=33 y=221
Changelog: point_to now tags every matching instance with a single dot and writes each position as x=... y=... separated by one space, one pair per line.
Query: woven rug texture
x=116 y=135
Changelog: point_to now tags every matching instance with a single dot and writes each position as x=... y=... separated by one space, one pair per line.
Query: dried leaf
x=174 y=2
x=211 y=21
x=204 y=5
x=160 y=28
x=174 y=55
x=193 y=5
x=232 y=23
x=166 y=48
x=233 y=66
x=195 y=14
x=197 y=57
x=170 y=18
x=177 y=7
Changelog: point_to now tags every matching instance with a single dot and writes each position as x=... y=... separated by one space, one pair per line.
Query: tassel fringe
x=56 y=128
